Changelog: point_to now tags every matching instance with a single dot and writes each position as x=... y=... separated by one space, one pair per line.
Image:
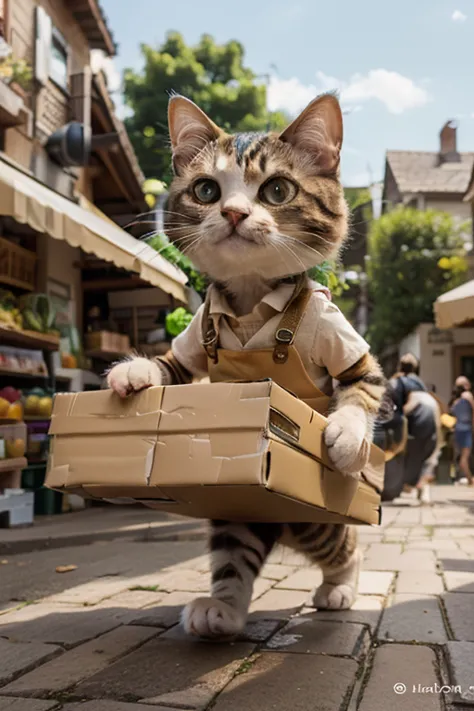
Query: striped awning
x=82 y=225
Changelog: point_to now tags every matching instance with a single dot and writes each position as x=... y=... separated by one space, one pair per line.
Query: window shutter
x=44 y=28
x=81 y=96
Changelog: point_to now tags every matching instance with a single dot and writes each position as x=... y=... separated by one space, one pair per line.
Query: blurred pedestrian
x=462 y=408
x=413 y=401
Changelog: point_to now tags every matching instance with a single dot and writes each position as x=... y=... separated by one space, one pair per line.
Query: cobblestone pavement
x=105 y=635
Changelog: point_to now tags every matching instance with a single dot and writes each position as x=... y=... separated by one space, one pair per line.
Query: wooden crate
x=17 y=265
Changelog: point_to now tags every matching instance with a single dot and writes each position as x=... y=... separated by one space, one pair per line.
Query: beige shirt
x=325 y=341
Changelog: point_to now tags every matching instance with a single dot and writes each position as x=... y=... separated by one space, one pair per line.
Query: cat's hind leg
x=334 y=548
x=238 y=552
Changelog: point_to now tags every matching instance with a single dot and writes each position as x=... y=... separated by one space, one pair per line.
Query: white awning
x=455 y=307
x=30 y=202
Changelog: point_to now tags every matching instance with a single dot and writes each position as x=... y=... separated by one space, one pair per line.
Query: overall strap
x=210 y=334
x=290 y=322
x=285 y=333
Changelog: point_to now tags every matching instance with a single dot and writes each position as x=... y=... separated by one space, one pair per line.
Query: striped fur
x=362 y=385
x=238 y=552
x=173 y=372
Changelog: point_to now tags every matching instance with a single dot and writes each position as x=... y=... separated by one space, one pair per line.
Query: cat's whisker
x=309 y=234
x=300 y=244
x=281 y=243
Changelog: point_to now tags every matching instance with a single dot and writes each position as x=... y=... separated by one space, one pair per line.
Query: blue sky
x=403 y=68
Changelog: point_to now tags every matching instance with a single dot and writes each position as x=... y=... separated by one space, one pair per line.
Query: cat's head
x=263 y=204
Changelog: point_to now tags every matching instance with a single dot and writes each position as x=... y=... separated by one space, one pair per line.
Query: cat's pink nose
x=234 y=216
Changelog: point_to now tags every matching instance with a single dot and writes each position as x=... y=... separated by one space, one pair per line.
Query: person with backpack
x=418 y=454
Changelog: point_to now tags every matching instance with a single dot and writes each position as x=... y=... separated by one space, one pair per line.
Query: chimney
x=447 y=143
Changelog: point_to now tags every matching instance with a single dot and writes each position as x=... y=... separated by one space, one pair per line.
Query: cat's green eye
x=278 y=191
x=206 y=191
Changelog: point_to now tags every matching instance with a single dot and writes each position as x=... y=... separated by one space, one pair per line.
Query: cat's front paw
x=334 y=597
x=346 y=439
x=133 y=375
x=209 y=617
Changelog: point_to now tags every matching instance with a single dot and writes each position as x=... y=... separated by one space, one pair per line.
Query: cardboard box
x=238 y=451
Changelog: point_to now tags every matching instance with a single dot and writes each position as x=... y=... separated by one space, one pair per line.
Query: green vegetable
x=177 y=321
x=31 y=321
x=38 y=312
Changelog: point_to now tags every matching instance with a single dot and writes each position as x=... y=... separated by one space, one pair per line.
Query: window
x=59 y=59
x=52 y=51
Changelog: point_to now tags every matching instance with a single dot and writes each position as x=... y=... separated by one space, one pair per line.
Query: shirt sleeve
x=337 y=346
x=187 y=348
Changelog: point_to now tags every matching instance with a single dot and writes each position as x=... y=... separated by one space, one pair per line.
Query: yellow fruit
x=45 y=407
x=15 y=411
x=31 y=404
x=4 y=405
x=15 y=448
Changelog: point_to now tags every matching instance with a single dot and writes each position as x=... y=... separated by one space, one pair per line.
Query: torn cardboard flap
x=244 y=451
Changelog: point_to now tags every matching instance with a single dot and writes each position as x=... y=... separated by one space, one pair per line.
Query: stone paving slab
x=80 y=663
x=166 y=614
x=257 y=631
x=411 y=560
x=304 y=635
x=8 y=704
x=412 y=618
x=18 y=657
x=288 y=681
x=366 y=610
x=304 y=579
x=411 y=581
x=460 y=613
x=400 y=668
x=459 y=581
x=67 y=625
x=375 y=582
x=277 y=572
x=461 y=665
x=170 y=673
x=279 y=603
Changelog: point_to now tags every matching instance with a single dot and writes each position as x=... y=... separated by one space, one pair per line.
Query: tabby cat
x=253 y=210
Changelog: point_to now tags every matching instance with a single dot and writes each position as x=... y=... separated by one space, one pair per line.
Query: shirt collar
x=276 y=299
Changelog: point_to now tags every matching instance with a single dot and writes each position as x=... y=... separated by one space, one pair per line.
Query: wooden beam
x=105 y=157
x=104 y=141
x=132 y=282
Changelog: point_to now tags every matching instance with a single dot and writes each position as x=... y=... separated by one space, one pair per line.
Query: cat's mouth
x=234 y=237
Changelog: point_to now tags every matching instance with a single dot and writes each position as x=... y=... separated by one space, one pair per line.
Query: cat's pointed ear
x=318 y=131
x=190 y=130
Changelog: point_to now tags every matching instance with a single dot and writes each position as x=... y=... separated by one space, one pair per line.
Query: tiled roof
x=421 y=172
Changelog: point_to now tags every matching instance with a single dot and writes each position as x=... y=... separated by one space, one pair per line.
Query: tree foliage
x=414 y=257
x=212 y=75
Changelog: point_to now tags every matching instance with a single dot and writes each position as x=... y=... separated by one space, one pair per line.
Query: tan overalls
x=282 y=363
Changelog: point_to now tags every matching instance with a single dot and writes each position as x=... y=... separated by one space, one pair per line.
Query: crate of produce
x=17 y=265
x=37 y=439
x=104 y=341
x=13 y=438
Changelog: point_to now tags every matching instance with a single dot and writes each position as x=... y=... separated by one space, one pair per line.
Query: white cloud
x=395 y=91
x=100 y=62
x=458 y=16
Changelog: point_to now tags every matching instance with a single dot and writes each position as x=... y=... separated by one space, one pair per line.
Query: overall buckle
x=284 y=335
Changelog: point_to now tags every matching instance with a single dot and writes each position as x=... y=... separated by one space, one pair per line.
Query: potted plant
x=17 y=73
